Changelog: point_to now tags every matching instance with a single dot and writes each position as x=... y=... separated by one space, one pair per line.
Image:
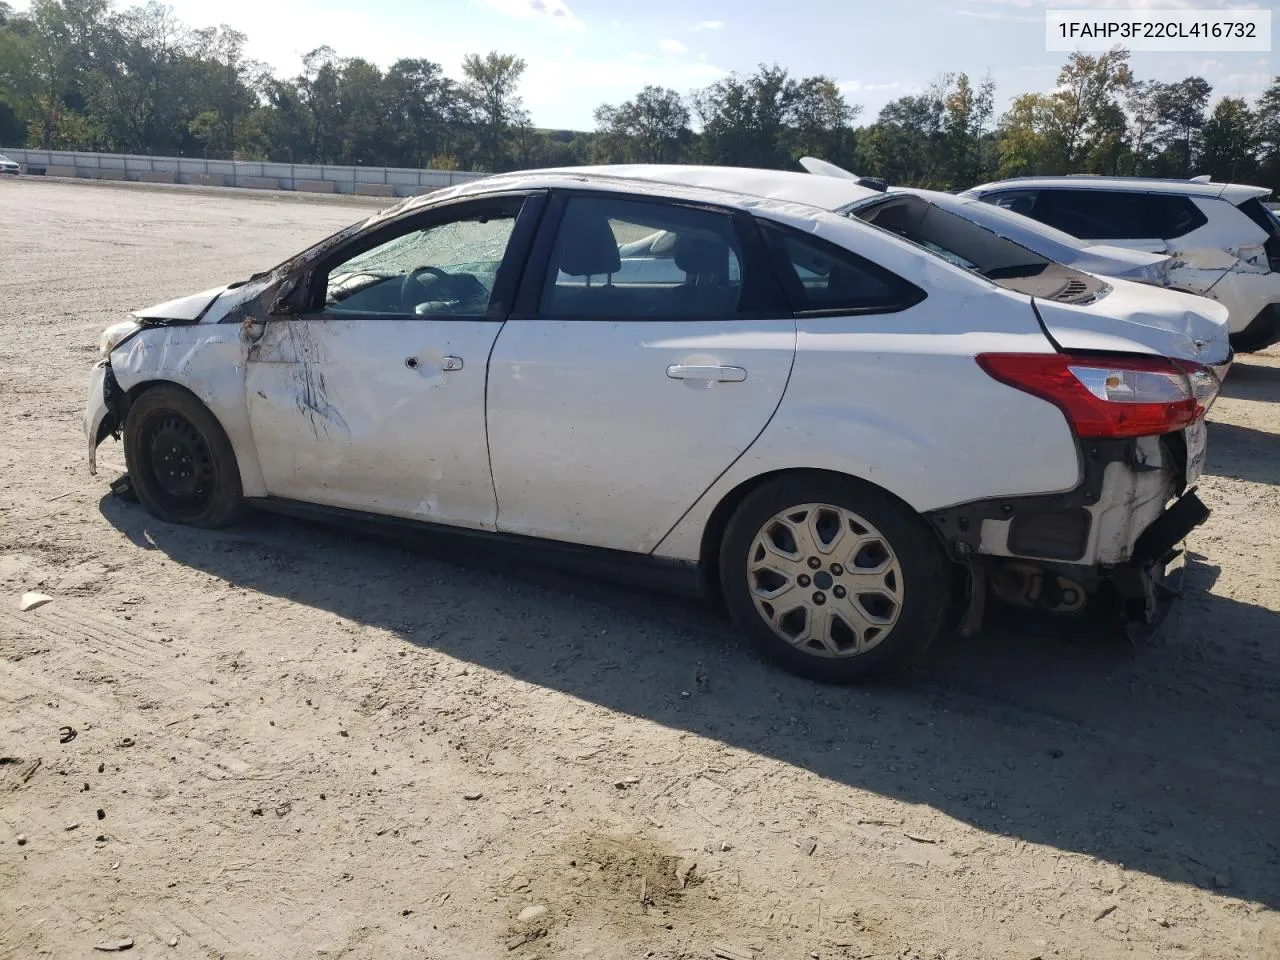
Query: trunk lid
x=1136 y=318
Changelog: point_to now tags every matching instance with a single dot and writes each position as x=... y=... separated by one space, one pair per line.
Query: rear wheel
x=180 y=460
x=834 y=579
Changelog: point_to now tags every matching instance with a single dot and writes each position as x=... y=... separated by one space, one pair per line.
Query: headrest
x=699 y=256
x=587 y=245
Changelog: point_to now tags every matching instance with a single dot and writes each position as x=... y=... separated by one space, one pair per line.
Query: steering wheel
x=412 y=276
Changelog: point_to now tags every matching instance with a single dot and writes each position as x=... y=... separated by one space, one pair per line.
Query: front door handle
x=447 y=364
x=682 y=371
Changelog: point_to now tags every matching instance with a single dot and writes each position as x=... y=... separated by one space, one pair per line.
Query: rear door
x=628 y=382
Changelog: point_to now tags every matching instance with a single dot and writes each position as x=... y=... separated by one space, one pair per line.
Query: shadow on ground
x=1243 y=453
x=1163 y=758
x=1252 y=381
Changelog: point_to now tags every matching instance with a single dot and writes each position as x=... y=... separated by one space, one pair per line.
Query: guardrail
x=304 y=177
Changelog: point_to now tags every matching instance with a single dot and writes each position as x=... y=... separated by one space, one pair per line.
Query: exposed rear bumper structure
x=1115 y=534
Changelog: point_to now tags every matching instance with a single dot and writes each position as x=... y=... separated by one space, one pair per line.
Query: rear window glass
x=1255 y=210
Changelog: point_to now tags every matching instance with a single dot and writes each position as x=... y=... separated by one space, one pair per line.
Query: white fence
x=308 y=177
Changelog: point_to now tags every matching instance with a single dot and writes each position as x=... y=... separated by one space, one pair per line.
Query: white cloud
x=614 y=80
x=709 y=25
x=672 y=46
x=552 y=10
x=858 y=86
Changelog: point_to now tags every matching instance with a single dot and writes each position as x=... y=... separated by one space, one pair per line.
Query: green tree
x=1267 y=129
x=491 y=90
x=768 y=119
x=423 y=111
x=1079 y=128
x=1180 y=116
x=652 y=128
x=1230 y=142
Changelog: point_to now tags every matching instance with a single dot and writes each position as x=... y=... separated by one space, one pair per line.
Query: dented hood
x=1137 y=318
x=186 y=309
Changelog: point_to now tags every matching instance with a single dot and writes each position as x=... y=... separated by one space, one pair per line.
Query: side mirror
x=283 y=305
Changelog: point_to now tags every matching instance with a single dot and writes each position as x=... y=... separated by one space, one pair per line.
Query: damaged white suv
x=1223 y=238
x=833 y=428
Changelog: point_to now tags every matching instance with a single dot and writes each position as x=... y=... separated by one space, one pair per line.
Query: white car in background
x=831 y=427
x=1098 y=258
x=1225 y=241
x=11 y=167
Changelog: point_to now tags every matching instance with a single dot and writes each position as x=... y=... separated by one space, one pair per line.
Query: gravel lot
x=292 y=743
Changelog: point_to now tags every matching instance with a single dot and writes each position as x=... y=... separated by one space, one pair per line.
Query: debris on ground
x=726 y=951
x=32 y=600
x=115 y=946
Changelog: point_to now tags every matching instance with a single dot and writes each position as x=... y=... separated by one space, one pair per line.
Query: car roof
x=740 y=187
x=1233 y=192
x=799 y=200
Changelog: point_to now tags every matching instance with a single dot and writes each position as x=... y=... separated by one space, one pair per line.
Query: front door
x=372 y=397
x=649 y=350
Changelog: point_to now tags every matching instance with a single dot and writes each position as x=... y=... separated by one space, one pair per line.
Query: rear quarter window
x=1119 y=215
x=821 y=278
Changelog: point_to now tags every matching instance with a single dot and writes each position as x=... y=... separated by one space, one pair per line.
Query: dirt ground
x=291 y=743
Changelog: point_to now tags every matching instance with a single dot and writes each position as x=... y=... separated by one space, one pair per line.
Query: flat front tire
x=180 y=461
x=833 y=578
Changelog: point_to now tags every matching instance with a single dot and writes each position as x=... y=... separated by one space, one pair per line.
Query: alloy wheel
x=825 y=580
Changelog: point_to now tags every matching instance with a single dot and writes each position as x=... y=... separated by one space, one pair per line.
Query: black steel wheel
x=180 y=460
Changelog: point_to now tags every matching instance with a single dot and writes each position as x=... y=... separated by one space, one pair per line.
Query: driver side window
x=443 y=269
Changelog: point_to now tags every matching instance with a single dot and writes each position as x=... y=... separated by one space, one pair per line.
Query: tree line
x=81 y=74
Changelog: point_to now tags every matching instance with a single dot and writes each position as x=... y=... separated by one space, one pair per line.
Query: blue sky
x=581 y=53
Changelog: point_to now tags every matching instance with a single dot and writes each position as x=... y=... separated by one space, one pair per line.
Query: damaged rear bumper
x=1143 y=584
x=1115 y=534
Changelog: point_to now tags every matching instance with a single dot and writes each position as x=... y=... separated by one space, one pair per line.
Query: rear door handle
x=682 y=371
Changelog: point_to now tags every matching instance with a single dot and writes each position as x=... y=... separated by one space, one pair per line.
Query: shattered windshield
x=462 y=242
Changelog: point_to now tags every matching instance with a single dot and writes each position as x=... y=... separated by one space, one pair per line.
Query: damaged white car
x=833 y=428
x=1224 y=240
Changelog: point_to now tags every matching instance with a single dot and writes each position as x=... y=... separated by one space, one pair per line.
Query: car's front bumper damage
x=103 y=416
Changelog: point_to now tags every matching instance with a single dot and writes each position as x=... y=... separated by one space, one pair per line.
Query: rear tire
x=833 y=578
x=180 y=460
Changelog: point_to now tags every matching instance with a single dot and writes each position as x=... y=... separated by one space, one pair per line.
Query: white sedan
x=832 y=427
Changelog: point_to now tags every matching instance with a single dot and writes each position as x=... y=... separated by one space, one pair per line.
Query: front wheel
x=180 y=460
x=833 y=578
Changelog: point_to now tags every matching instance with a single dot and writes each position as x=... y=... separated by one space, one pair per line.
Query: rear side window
x=1017 y=201
x=822 y=278
x=1117 y=215
x=635 y=259
x=1253 y=209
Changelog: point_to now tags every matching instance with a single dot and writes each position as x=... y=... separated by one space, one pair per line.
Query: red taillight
x=1111 y=396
